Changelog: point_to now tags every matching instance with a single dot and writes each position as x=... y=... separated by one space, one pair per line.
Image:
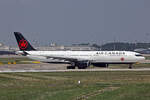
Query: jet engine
x=83 y=64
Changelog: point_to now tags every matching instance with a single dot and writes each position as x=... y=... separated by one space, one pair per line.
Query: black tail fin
x=23 y=44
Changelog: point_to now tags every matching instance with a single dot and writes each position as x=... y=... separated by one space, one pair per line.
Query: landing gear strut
x=72 y=66
x=107 y=65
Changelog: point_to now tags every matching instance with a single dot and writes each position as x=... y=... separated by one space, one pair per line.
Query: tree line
x=122 y=46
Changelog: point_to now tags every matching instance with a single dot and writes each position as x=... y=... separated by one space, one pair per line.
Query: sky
x=68 y=22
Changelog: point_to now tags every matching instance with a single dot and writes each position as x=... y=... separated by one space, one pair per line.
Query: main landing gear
x=80 y=65
x=71 y=67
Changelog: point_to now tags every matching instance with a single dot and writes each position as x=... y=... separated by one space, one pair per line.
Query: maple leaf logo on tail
x=23 y=44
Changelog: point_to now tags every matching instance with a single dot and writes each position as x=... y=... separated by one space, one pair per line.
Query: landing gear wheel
x=79 y=67
x=73 y=67
x=130 y=66
x=70 y=67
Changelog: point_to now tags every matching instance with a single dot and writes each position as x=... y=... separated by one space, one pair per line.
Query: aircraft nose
x=142 y=58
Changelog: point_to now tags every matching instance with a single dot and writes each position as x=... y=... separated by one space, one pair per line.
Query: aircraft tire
x=70 y=67
x=81 y=67
x=130 y=66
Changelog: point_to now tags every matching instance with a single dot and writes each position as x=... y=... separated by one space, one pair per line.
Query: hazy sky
x=75 y=21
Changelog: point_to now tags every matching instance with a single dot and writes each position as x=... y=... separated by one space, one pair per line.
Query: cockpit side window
x=138 y=55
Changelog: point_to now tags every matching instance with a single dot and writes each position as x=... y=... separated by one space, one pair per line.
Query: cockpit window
x=138 y=55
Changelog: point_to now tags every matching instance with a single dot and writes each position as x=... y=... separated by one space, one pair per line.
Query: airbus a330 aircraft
x=80 y=59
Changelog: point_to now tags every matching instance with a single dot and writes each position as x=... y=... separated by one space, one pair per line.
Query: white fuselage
x=92 y=56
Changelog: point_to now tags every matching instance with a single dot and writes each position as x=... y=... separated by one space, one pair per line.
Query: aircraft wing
x=66 y=59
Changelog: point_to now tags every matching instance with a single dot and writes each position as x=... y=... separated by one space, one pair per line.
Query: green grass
x=127 y=92
x=64 y=86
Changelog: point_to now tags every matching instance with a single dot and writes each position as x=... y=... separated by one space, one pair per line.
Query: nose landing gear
x=130 y=66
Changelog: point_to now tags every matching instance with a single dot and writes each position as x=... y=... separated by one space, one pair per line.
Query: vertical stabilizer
x=23 y=44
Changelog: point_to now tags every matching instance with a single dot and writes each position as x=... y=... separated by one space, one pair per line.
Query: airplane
x=80 y=59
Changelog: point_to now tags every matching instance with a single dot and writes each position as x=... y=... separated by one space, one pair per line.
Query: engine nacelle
x=83 y=64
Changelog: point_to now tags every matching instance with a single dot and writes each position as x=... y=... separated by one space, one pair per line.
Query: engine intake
x=83 y=64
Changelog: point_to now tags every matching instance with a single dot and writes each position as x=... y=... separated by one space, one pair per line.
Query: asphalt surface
x=74 y=70
x=56 y=68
